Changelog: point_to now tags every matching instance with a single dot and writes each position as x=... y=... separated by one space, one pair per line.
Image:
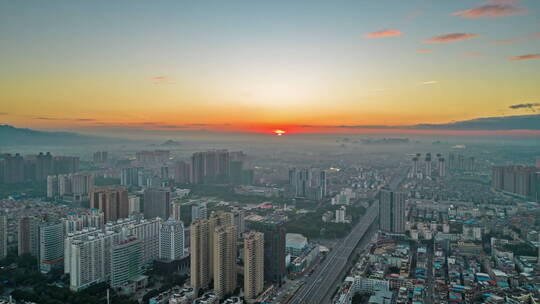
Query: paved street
x=321 y=283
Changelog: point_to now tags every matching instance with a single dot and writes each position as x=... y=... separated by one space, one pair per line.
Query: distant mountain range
x=521 y=122
x=10 y=135
x=504 y=123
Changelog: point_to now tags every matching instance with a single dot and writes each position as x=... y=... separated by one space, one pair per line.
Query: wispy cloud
x=383 y=34
x=492 y=9
x=424 y=51
x=472 y=54
x=452 y=37
x=430 y=82
x=507 y=41
x=414 y=14
x=162 y=80
x=524 y=57
x=64 y=119
x=529 y=106
x=4 y=113
x=46 y=118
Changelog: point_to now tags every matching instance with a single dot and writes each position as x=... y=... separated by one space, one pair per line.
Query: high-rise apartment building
x=199 y=212
x=147 y=231
x=113 y=201
x=12 y=168
x=224 y=256
x=3 y=237
x=129 y=177
x=28 y=237
x=428 y=165
x=392 y=211
x=274 y=249
x=210 y=166
x=100 y=157
x=76 y=221
x=253 y=265
x=89 y=252
x=90 y=259
x=517 y=180
x=442 y=167
x=307 y=183
x=199 y=254
x=157 y=203
x=239 y=222
x=126 y=261
x=134 y=202
x=176 y=210
x=51 y=246
x=216 y=220
x=52 y=186
x=182 y=173
x=171 y=240
x=44 y=166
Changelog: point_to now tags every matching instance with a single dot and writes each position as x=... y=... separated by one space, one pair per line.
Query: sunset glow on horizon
x=265 y=67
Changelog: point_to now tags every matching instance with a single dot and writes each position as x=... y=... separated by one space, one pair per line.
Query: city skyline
x=266 y=66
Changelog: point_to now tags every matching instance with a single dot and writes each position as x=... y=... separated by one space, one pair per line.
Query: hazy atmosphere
x=280 y=152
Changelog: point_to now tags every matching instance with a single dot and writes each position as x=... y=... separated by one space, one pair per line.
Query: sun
x=279 y=132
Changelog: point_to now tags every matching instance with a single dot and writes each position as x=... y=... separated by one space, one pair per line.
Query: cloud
x=47 y=118
x=472 y=54
x=524 y=57
x=492 y=9
x=172 y=126
x=4 y=113
x=452 y=37
x=60 y=118
x=530 y=106
x=414 y=14
x=424 y=51
x=162 y=80
x=430 y=82
x=384 y=34
x=507 y=41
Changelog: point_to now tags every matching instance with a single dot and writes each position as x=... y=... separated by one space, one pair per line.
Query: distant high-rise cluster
x=14 y=168
x=307 y=183
x=71 y=187
x=100 y=157
x=153 y=157
x=182 y=173
x=518 y=180
x=457 y=161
